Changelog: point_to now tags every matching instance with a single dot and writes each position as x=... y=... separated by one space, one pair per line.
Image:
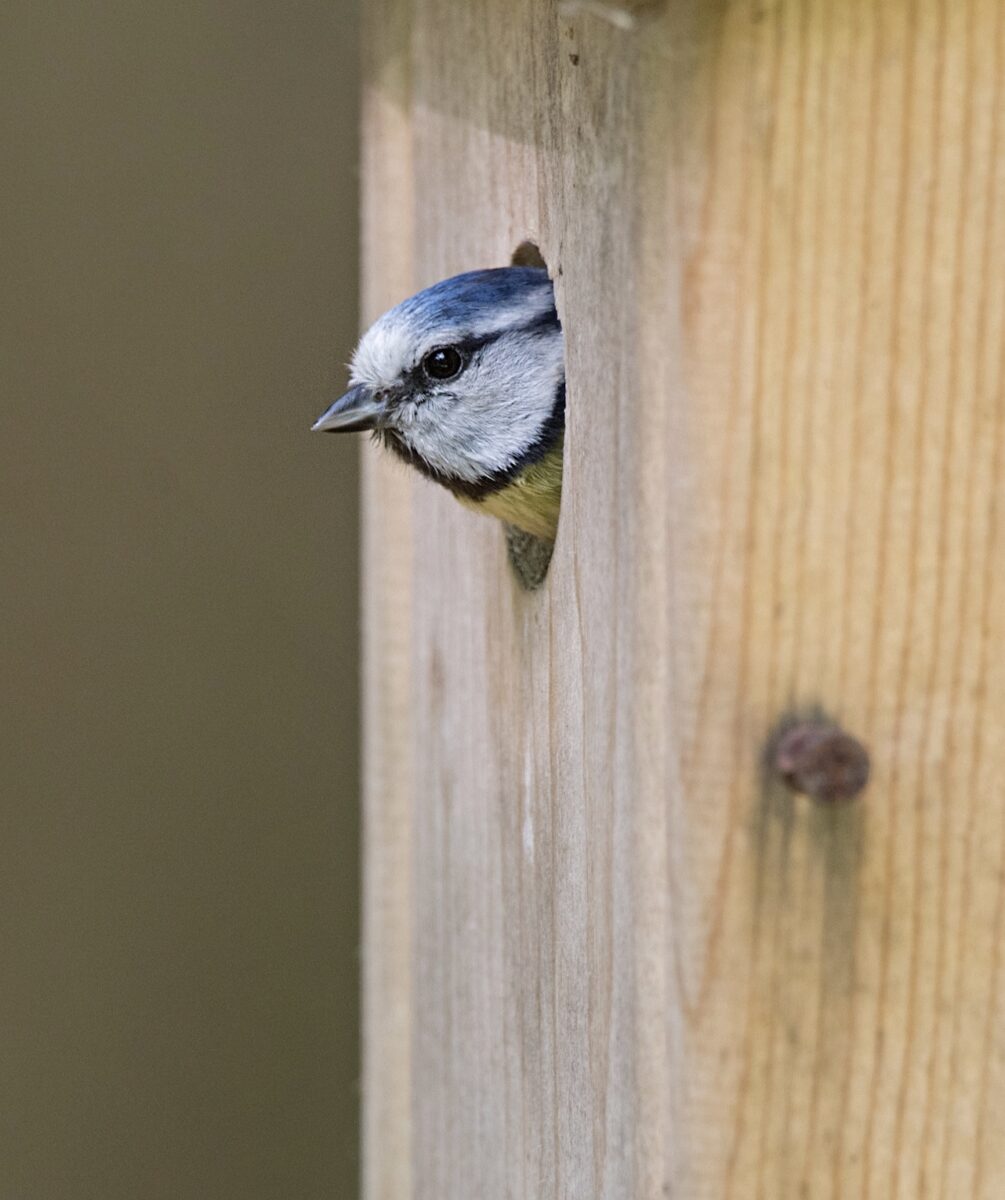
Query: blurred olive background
x=178 y=691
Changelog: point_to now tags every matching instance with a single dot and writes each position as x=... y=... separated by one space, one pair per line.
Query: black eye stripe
x=545 y=323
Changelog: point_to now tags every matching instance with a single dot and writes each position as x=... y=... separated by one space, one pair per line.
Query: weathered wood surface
x=604 y=957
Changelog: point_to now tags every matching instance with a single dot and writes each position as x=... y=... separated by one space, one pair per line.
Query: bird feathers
x=492 y=431
x=530 y=500
x=474 y=305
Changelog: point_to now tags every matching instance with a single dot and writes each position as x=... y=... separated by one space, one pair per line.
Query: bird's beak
x=357 y=409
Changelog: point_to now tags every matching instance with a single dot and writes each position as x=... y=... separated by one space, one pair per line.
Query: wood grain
x=605 y=955
x=387 y=238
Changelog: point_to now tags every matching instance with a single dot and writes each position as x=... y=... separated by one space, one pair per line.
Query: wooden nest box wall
x=609 y=953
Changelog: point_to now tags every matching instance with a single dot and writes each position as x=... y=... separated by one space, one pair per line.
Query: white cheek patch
x=486 y=420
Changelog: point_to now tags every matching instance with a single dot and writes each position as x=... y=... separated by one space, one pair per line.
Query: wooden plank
x=386 y=236
x=606 y=956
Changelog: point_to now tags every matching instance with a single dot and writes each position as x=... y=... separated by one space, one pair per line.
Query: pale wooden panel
x=387 y=233
x=607 y=958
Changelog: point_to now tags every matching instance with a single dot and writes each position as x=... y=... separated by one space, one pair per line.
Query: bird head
x=465 y=380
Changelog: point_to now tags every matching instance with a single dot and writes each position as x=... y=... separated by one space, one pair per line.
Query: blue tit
x=465 y=381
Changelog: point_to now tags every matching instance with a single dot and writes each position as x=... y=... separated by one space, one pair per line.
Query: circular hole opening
x=529 y=556
x=528 y=254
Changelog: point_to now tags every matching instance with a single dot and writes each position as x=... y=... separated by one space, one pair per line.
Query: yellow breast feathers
x=530 y=500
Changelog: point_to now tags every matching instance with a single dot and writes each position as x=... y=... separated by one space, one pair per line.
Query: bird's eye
x=443 y=363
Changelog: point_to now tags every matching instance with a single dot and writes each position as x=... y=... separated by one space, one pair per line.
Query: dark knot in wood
x=820 y=760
